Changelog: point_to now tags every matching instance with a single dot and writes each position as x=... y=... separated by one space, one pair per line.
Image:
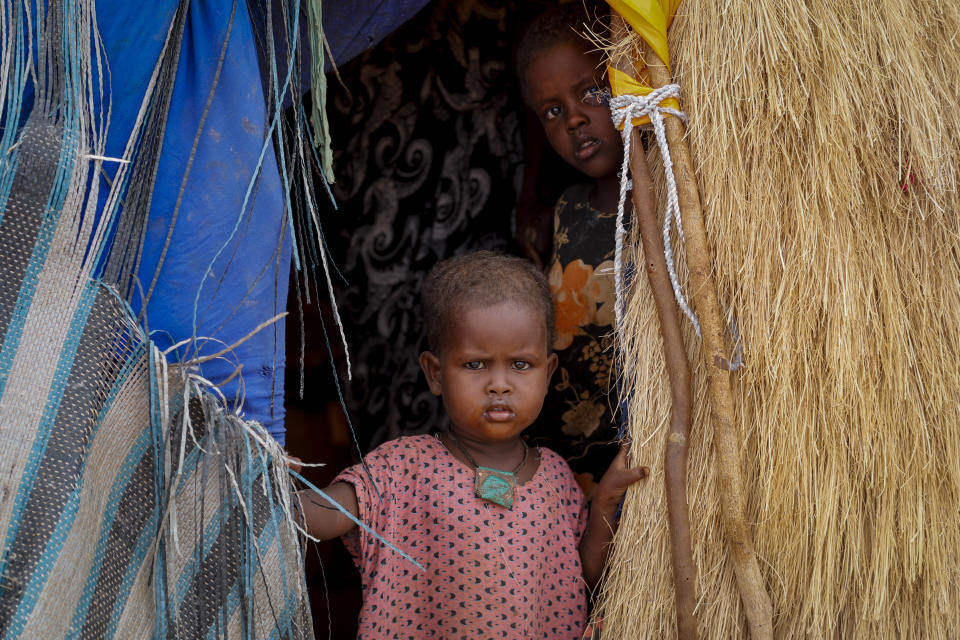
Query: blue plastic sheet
x=227 y=266
x=227 y=261
x=218 y=202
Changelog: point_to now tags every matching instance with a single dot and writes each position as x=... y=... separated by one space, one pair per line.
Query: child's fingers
x=614 y=483
x=623 y=478
x=294 y=463
x=618 y=477
x=620 y=461
x=628 y=474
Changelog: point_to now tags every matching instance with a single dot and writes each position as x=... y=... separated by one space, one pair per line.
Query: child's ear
x=551 y=365
x=431 y=369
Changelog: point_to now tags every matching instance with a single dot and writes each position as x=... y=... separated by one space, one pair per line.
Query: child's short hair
x=482 y=278
x=550 y=28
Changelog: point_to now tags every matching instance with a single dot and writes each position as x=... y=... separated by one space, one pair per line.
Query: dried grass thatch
x=827 y=143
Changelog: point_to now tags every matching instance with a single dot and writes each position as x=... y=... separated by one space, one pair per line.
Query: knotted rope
x=623 y=109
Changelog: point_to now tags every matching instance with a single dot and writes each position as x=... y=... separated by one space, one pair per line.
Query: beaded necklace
x=492 y=485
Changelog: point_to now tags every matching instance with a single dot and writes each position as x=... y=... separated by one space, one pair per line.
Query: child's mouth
x=498 y=414
x=587 y=149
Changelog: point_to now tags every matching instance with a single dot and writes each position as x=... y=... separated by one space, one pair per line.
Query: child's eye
x=521 y=365
x=596 y=96
x=474 y=365
x=551 y=112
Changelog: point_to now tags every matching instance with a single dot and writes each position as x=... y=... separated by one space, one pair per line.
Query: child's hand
x=613 y=485
x=600 y=526
x=295 y=464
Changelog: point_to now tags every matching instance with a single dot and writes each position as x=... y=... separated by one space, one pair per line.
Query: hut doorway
x=428 y=132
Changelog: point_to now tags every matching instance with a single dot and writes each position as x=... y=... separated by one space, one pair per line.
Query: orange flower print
x=606 y=294
x=582 y=297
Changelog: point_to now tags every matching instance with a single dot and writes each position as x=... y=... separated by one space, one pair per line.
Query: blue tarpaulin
x=217 y=219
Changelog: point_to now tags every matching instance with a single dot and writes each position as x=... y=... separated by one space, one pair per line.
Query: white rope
x=93 y=156
x=623 y=109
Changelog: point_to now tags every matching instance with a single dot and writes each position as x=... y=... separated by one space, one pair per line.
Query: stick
x=756 y=602
x=678 y=371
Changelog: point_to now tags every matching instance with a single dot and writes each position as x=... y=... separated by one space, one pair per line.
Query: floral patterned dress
x=577 y=419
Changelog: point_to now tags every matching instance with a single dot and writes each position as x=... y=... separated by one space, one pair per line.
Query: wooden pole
x=756 y=602
x=678 y=371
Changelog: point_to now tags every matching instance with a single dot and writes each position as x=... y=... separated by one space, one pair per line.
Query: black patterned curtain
x=428 y=157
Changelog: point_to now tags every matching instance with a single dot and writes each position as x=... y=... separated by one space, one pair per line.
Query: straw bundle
x=827 y=141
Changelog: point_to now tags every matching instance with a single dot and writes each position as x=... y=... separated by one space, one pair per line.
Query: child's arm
x=603 y=508
x=322 y=519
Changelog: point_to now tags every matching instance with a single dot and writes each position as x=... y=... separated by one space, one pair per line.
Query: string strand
x=623 y=110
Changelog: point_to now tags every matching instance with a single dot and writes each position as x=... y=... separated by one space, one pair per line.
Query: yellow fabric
x=650 y=19
x=622 y=84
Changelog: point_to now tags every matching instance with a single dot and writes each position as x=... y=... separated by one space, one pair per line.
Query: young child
x=500 y=528
x=562 y=77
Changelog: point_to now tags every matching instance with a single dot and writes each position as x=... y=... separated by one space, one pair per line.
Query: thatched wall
x=827 y=139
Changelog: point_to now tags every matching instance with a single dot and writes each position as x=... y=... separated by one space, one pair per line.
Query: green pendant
x=495 y=486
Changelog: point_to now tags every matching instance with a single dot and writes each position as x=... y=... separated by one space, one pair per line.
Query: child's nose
x=576 y=117
x=499 y=383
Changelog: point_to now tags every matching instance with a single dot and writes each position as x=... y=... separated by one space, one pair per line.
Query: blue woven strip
x=283 y=625
x=15 y=90
x=277 y=520
x=142 y=550
x=51 y=217
x=228 y=522
x=207 y=540
x=234 y=600
x=144 y=546
x=139 y=554
x=283 y=628
x=120 y=483
x=64 y=366
x=55 y=544
x=156 y=435
x=249 y=567
x=210 y=534
x=8 y=170
x=39 y=577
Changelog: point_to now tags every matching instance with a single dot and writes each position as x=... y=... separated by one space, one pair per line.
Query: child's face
x=563 y=85
x=492 y=371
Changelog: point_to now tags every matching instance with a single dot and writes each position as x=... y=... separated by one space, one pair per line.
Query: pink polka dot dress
x=490 y=572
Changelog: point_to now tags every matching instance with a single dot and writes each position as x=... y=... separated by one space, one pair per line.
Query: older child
x=561 y=75
x=499 y=527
